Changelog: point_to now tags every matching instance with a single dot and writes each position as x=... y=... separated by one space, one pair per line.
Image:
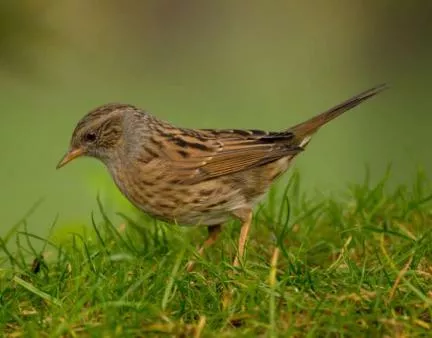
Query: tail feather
x=304 y=131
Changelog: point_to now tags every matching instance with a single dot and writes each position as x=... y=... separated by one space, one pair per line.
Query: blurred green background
x=221 y=64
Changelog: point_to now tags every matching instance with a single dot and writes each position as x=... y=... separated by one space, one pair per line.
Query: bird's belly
x=204 y=203
x=191 y=211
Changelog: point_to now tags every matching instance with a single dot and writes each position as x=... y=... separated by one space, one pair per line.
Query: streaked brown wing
x=205 y=154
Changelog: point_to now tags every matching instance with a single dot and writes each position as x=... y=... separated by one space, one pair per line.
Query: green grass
x=356 y=265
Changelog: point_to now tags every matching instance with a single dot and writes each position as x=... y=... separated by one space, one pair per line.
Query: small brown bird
x=193 y=176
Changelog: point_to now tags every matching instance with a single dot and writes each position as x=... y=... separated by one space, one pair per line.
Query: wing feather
x=214 y=153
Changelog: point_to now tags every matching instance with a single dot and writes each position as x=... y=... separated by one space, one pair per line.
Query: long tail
x=304 y=130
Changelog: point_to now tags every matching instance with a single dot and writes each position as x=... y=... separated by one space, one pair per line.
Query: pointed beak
x=70 y=155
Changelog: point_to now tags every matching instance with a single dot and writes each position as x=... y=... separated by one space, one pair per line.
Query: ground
x=357 y=265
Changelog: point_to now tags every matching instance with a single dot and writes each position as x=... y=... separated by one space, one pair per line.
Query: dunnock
x=193 y=176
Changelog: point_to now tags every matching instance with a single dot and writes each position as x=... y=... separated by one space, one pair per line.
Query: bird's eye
x=90 y=137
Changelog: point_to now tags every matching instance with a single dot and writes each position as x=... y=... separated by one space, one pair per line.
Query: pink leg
x=245 y=216
x=213 y=233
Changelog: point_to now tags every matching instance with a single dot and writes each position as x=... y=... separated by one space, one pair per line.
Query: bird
x=194 y=177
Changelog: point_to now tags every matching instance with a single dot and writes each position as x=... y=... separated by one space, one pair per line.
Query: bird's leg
x=245 y=216
x=213 y=233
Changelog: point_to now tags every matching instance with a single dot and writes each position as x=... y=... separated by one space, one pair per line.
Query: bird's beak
x=70 y=155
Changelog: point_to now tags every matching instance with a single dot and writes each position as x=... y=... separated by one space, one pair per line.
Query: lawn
x=357 y=264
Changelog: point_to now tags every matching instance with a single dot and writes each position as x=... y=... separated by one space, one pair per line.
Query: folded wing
x=200 y=155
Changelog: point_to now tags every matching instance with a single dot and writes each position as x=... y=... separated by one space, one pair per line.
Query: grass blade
x=36 y=291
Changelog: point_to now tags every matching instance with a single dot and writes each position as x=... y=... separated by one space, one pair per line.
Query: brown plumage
x=193 y=176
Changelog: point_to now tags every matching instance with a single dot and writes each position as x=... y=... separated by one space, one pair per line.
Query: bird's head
x=99 y=134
